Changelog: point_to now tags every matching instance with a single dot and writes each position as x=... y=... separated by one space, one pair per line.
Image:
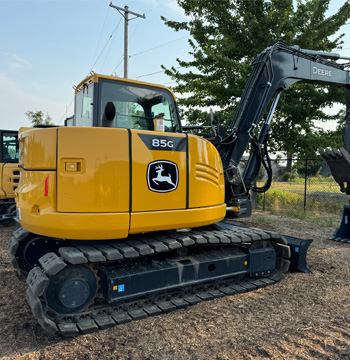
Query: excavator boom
x=274 y=70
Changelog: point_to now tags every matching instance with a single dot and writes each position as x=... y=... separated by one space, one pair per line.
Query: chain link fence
x=308 y=186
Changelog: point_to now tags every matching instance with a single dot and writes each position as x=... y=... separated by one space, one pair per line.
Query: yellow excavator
x=120 y=215
x=9 y=172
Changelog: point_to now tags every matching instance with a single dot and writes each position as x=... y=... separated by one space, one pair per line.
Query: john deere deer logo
x=162 y=176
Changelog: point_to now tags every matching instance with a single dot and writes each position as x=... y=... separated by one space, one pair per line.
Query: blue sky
x=47 y=46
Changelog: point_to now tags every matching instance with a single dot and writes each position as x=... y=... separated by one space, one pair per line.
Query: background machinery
x=120 y=215
x=9 y=172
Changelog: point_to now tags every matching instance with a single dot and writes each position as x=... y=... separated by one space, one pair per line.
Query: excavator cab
x=127 y=149
x=103 y=101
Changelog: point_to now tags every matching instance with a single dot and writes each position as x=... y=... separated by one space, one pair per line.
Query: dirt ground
x=305 y=316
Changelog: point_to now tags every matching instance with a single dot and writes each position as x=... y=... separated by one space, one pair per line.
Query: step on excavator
x=9 y=174
x=124 y=213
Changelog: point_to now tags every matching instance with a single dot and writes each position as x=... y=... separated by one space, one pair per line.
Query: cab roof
x=94 y=78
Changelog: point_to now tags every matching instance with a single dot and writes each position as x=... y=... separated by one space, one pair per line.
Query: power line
x=167 y=2
x=139 y=20
x=115 y=69
x=99 y=39
x=110 y=37
x=157 y=72
x=109 y=49
x=107 y=53
x=65 y=113
x=156 y=47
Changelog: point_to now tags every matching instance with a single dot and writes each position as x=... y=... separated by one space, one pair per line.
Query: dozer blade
x=298 y=247
x=339 y=164
x=342 y=233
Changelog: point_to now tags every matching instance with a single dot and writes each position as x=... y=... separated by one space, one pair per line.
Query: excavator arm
x=274 y=70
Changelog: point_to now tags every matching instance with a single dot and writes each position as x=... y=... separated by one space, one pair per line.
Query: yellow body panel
x=9 y=179
x=176 y=182
x=32 y=191
x=167 y=220
x=79 y=226
x=2 y=192
x=142 y=198
x=30 y=195
x=42 y=153
x=38 y=213
x=93 y=170
x=206 y=174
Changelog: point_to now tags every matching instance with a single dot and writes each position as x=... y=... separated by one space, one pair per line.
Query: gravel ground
x=305 y=316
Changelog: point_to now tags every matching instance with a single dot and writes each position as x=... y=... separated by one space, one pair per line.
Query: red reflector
x=47 y=186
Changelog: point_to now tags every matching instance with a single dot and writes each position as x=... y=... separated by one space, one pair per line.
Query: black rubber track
x=101 y=315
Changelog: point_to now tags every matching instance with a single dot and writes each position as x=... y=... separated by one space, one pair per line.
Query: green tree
x=227 y=35
x=38 y=118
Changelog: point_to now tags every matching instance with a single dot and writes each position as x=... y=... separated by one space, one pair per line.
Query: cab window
x=84 y=106
x=9 y=146
x=136 y=106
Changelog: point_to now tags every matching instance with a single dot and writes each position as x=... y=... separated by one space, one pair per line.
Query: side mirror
x=108 y=115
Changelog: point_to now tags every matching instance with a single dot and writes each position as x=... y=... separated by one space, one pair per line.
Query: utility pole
x=125 y=13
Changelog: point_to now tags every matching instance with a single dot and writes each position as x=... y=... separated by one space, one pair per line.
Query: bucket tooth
x=323 y=154
x=331 y=154
x=345 y=154
x=337 y=153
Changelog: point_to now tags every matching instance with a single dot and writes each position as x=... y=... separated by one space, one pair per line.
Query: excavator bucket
x=298 y=248
x=339 y=164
